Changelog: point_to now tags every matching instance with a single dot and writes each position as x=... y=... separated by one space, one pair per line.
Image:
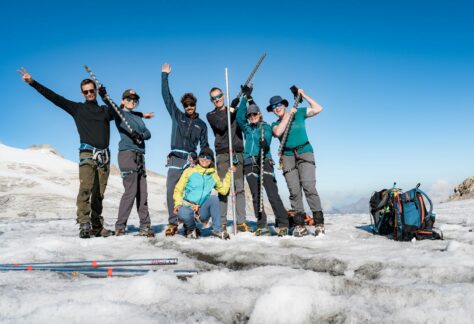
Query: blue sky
x=395 y=78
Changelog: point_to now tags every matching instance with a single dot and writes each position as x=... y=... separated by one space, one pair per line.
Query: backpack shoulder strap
x=429 y=200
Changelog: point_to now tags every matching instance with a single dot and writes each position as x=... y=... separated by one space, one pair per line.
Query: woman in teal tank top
x=299 y=166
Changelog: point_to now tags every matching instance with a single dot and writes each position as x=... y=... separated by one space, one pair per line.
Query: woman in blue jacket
x=251 y=122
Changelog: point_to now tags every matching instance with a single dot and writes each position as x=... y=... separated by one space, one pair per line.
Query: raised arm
x=241 y=117
x=314 y=108
x=165 y=91
x=279 y=129
x=61 y=102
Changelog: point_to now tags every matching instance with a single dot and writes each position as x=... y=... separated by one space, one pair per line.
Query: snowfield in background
x=346 y=276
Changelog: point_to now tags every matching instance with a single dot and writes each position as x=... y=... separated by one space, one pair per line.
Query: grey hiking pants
x=300 y=173
x=175 y=171
x=132 y=168
x=223 y=165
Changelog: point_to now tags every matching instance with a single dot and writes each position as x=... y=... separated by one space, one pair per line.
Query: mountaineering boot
x=318 y=218
x=171 y=230
x=102 y=232
x=119 y=232
x=146 y=231
x=300 y=230
x=319 y=229
x=282 y=231
x=221 y=234
x=192 y=234
x=243 y=228
x=263 y=231
x=84 y=231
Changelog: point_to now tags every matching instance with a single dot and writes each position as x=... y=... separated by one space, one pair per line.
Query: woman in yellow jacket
x=192 y=196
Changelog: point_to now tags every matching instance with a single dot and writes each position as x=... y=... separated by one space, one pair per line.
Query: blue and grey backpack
x=403 y=214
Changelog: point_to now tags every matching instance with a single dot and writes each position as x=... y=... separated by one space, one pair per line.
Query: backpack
x=403 y=214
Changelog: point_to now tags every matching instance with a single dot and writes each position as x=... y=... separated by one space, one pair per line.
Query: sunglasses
x=131 y=100
x=88 y=91
x=277 y=105
x=205 y=156
x=217 y=97
x=252 y=115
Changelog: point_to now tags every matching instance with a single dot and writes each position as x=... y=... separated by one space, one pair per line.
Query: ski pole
x=112 y=103
x=98 y=272
x=262 y=164
x=288 y=126
x=96 y=263
x=252 y=73
x=231 y=152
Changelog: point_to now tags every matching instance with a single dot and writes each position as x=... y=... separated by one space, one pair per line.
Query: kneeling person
x=192 y=196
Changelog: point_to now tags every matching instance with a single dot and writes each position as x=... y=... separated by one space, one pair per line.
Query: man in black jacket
x=217 y=118
x=93 y=124
x=188 y=131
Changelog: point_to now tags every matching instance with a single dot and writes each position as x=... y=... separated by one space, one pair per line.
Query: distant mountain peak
x=464 y=191
x=44 y=147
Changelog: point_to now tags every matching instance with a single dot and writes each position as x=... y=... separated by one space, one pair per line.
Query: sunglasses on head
x=205 y=156
x=217 y=97
x=88 y=91
x=131 y=100
x=277 y=105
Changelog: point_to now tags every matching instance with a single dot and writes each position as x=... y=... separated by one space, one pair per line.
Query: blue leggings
x=209 y=209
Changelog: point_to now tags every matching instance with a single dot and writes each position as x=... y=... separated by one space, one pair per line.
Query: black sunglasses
x=88 y=91
x=131 y=100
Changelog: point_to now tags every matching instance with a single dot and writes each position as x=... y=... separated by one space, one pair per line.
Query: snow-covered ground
x=346 y=276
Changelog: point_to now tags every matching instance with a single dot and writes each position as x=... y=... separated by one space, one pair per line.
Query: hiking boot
x=243 y=228
x=221 y=234
x=300 y=230
x=319 y=229
x=146 y=231
x=192 y=234
x=84 y=231
x=263 y=231
x=119 y=231
x=282 y=231
x=318 y=218
x=171 y=230
x=102 y=232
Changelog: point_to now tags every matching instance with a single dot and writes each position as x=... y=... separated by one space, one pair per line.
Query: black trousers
x=252 y=173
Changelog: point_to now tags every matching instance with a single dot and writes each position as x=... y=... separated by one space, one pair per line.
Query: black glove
x=247 y=91
x=137 y=138
x=235 y=102
x=102 y=92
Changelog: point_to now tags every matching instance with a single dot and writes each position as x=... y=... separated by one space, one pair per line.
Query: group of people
x=191 y=176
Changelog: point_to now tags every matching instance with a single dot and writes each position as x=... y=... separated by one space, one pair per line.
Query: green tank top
x=297 y=136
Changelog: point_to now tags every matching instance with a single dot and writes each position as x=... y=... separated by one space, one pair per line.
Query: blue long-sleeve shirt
x=137 y=124
x=252 y=133
x=186 y=132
